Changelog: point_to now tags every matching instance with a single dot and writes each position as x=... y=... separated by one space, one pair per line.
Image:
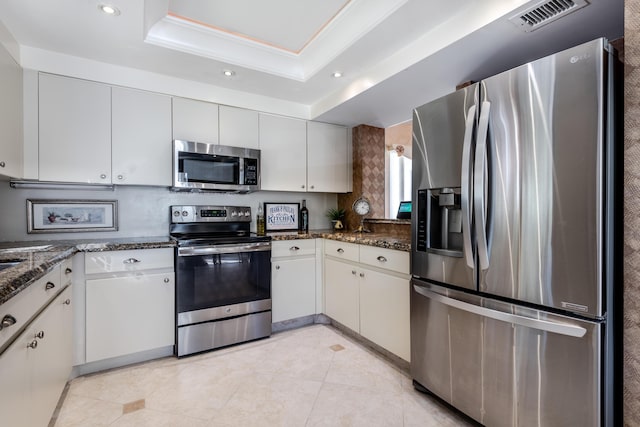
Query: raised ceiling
x=394 y=54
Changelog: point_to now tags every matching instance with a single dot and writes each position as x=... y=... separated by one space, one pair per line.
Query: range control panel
x=189 y=213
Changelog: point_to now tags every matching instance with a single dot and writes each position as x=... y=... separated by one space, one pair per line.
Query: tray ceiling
x=394 y=54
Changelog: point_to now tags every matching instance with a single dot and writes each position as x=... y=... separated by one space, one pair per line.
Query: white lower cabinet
x=341 y=293
x=36 y=366
x=370 y=297
x=384 y=311
x=293 y=279
x=129 y=314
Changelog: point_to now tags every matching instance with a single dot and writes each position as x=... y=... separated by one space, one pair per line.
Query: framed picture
x=65 y=216
x=281 y=216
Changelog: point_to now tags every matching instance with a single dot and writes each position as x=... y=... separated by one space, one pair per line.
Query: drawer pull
x=340 y=250
x=49 y=286
x=294 y=248
x=33 y=344
x=130 y=261
x=68 y=271
x=7 y=321
x=166 y=280
x=361 y=274
x=353 y=272
x=381 y=259
x=67 y=301
x=39 y=335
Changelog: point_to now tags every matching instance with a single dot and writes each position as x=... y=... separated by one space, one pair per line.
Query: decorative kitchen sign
x=281 y=216
x=64 y=216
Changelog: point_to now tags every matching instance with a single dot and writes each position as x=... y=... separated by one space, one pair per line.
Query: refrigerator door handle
x=466 y=203
x=528 y=322
x=479 y=196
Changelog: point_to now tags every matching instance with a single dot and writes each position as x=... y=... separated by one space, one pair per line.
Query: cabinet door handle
x=302 y=186
x=39 y=335
x=49 y=285
x=294 y=248
x=120 y=177
x=361 y=274
x=103 y=175
x=33 y=344
x=68 y=271
x=67 y=302
x=340 y=250
x=7 y=321
x=353 y=272
x=313 y=186
x=166 y=280
x=381 y=259
x=2 y=164
x=130 y=261
x=277 y=267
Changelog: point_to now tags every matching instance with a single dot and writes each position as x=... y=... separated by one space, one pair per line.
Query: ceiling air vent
x=542 y=13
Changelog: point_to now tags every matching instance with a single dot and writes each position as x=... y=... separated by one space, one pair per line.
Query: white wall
x=142 y=211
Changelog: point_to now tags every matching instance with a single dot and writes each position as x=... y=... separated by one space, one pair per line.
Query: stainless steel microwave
x=210 y=167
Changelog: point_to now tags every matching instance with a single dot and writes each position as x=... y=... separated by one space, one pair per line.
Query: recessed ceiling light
x=229 y=73
x=337 y=74
x=109 y=9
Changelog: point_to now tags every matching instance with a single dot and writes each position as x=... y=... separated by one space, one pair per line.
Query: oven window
x=207 y=281
x=206 y=168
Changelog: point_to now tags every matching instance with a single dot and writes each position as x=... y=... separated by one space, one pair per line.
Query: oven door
x=222 y=275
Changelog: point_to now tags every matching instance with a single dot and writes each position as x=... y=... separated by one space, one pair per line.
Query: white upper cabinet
x=195 y=120
x=238 y=127
x=10 y=116
x=75 y=130
x=141 y=139
x=327 y=158
x=283 y=147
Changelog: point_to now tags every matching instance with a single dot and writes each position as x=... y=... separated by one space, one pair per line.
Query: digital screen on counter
x=213 y=213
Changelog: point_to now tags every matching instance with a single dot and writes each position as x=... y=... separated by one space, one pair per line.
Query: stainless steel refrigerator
x=513 y=248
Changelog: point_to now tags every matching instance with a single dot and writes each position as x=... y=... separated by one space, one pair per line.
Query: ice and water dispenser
x=439 y=221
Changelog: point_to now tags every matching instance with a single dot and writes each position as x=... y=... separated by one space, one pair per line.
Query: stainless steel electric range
x=223 y=278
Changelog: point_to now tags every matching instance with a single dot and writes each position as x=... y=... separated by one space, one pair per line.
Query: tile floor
x=313 y=376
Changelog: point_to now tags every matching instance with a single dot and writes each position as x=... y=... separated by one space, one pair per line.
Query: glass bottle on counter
x=304 y=218
x=260 y=221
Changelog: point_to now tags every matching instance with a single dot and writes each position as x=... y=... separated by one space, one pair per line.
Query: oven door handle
x=224 y=249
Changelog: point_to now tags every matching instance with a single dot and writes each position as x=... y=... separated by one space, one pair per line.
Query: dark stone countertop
x=39 y=257
x=381 y=240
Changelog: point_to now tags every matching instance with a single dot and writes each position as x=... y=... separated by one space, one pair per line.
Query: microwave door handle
x=479 y=186
x=466 y=203
x=525 y=321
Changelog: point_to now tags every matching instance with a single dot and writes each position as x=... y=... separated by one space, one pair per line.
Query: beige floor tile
x=80 y=411
x=150 y=418
x=293 y=378
x=345 y=405
x=281 y=402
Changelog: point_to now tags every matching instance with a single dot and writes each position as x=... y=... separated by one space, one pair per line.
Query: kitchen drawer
x=389 y=259
x=27 y=303
x=128 y=261
x=346 y=251
x=297 y=247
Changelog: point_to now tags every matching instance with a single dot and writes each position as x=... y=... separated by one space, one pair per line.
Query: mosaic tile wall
x=631 y=214
x=368 y=173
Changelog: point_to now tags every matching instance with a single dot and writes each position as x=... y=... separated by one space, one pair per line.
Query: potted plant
x=336 y=216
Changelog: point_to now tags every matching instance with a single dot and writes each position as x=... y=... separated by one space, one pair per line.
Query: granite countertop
x=39 y=257
x=381 y=240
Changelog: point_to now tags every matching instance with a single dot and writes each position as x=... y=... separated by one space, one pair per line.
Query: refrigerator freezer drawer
x=502 y=364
